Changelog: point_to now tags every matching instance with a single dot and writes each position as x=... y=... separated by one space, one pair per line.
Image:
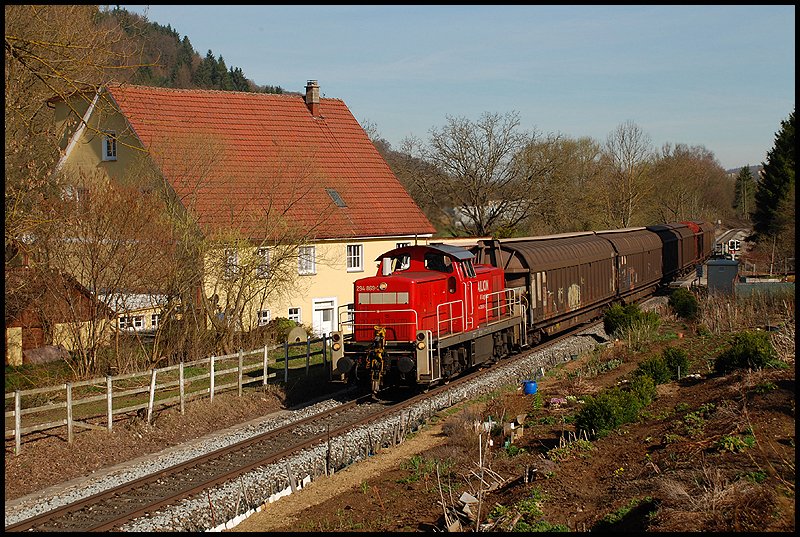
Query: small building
x=47 y=314
x=722 y=275
x=136 y=312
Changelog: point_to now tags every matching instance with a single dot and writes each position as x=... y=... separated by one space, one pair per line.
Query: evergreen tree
x=745 y=192
x=776 y=185
x=220 y=77
x=238 y=80
x=203 y=76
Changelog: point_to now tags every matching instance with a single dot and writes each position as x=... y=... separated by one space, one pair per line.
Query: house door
x=323 y=316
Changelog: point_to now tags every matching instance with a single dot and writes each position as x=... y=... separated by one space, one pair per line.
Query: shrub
x=655 y=368
x=618 y=319
x=752 y=350
x=644 y=389
x=684 y=304
x=606 y=411
x=676 y=360
x=613 y=318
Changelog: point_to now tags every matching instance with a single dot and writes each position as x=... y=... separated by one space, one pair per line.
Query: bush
x=613 y=318
x=749 y=350
x=676 y=361
x=606 y=411
x=618 y=319
x=655 y=368
x=684 y=304
x=644 y=389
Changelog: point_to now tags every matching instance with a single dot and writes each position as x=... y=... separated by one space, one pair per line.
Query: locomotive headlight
x=421 y=345
x=421 y=336
x=336 y=336
x=336 y=346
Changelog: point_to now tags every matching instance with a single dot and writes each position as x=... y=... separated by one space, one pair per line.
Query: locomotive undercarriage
x=379 y=363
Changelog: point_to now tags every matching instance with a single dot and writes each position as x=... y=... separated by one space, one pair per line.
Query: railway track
x=111 y=509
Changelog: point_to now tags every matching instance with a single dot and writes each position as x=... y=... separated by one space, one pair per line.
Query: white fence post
x=17 y=422
x=109 y=399
x=180 y=384
x=211 y=388
x=266 y=363
x=68 y=387
x=152 y=396
x=241 y=357
x=286 y=362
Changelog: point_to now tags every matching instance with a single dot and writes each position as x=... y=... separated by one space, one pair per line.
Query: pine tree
x=203 y=76
x=776 y=185
x=745 y=191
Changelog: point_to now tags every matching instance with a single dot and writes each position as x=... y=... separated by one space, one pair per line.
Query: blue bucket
x=529 y=386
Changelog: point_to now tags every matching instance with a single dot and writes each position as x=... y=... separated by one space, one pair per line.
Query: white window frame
x=306 y=260
x=355 y=257
x=109 y=148
x=262 y=270
x=154 y=320
x=402 y=244
x=231 y=263
x=264 y=317
x=131 y=322
x=296 y=318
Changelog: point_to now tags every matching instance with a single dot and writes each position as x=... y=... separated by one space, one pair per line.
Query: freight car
x=432 y=312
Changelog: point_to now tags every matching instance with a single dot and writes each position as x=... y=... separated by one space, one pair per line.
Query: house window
x=109 y=145
x=231 y=268
x=306 y=262
x=264 y=317
x=135 y=322
x=294 y=315
x=262 y=270
x=154 y=318
x=355 y=258
x=403 y=244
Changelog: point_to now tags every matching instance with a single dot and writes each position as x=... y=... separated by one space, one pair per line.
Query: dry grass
x=707 y=501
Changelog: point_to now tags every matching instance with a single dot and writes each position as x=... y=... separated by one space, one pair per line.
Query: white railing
x=349 y=320
x=175 y=384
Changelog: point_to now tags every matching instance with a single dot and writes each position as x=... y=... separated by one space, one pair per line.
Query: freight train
x=435 y=311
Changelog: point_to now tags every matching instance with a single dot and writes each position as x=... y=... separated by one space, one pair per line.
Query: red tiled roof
x=232 y=157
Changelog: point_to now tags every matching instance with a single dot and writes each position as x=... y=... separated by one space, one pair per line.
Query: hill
x=169 y=61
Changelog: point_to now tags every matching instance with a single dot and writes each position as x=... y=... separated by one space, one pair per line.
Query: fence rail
x=73 y=404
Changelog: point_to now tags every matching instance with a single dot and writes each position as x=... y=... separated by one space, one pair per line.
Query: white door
x=323 y=316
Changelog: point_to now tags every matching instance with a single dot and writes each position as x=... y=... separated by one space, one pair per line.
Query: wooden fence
x=150 y=390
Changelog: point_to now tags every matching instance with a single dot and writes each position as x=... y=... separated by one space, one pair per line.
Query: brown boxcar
x=565 y=279
x=678 y=249
x=638 y=261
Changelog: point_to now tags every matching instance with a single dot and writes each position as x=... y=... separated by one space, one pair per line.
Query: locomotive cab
x=419 y=319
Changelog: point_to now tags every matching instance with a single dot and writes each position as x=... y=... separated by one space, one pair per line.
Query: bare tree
x=51 y=51
x=626 y=182
x=111 y=241
x=248 y=256
x=561 y=173
x=477 y=180
x=691 y=185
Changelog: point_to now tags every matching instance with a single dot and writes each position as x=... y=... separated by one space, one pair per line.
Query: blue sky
x=721 y=77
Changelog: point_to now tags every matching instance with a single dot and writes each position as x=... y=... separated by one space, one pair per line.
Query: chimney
x=312 y=97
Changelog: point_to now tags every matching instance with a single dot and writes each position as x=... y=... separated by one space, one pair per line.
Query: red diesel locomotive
x=432 y=312
x=429 y=314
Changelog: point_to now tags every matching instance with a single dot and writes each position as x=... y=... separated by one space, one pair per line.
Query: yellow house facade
x=294 y=177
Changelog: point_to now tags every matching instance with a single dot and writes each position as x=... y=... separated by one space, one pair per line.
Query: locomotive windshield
x=401 y=262
x=438 y=262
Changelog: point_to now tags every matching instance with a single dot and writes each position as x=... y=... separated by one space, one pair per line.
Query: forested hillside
x=169 y=60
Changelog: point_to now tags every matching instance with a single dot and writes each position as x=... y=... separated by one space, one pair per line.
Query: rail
x=148 y=391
